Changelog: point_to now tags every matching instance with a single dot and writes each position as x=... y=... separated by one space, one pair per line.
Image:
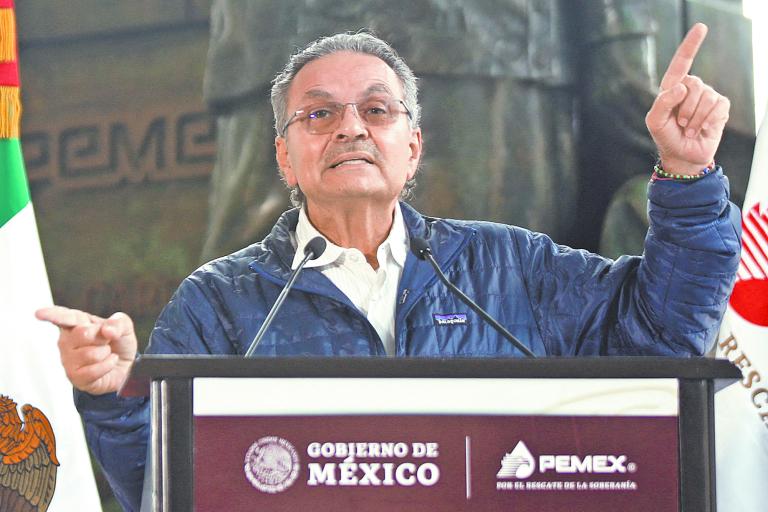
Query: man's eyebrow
x=373 y=89
x=377 y=88
x=317 y=93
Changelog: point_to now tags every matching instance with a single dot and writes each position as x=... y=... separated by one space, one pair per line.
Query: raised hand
x=687 y=118
x=97 y=353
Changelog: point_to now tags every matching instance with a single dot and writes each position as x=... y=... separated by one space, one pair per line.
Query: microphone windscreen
x=315 y=247
x=420 y=248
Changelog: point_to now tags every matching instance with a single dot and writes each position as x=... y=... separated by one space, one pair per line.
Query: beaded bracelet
x=660 y=174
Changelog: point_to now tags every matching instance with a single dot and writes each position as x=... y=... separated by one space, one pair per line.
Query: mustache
x=365 y=146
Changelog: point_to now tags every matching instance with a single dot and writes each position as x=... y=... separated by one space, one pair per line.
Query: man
x=348 y=143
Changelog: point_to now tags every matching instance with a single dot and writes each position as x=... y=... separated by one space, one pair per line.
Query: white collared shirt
x=374 y=292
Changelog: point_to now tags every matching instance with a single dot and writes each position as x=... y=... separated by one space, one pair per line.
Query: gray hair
x=361 y=42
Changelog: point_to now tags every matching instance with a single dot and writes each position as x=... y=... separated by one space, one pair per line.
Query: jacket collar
x=446 y=239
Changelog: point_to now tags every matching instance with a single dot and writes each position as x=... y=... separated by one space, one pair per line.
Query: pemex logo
x=519 y=463
x=750 y=294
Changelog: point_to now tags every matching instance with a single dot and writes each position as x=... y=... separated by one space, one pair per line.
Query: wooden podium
x=635 y=433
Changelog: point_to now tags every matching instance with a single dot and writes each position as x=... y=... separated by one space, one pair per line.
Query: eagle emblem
x=28 y=461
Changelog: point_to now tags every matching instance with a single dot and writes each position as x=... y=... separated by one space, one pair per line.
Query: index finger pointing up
x=682 y=61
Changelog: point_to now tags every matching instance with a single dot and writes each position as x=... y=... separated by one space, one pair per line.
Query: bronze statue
x=534 y=107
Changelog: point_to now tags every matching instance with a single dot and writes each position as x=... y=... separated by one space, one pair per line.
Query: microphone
x=313 y=250
x=421 y=250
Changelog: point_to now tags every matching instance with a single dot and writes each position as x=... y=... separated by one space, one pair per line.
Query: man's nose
x=351 y=125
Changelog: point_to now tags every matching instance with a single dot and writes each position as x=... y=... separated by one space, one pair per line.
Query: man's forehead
x=378 y=88
x=345 y=74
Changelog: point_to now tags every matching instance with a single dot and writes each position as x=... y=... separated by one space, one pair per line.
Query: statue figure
x=495 y=91
x=524 y=101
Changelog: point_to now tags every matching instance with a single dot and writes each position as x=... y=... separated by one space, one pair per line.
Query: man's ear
x=284 y=161
x=415 y=146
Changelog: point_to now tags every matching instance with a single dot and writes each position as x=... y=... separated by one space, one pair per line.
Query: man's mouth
x=356 y=160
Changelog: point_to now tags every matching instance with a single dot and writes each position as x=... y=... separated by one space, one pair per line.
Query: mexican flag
x=741 y=410
x=30 y=370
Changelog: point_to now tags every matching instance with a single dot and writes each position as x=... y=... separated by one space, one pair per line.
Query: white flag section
x=30 y=370
x=741 y=410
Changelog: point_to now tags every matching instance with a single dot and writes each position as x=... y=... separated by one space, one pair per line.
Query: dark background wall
x=118 y=146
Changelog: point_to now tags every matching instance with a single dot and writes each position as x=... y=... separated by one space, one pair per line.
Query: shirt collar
x=396 y=242
x=398 y=238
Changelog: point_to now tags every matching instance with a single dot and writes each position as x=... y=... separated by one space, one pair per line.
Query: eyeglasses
x=326 y=117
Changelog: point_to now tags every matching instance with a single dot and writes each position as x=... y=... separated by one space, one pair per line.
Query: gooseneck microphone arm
x=421 y=250
x=313 y=250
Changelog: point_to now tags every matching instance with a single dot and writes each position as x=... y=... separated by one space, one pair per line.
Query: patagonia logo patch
x=450 y=318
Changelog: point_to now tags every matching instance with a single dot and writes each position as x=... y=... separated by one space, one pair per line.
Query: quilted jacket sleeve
x=117 y=429
x=668 y=302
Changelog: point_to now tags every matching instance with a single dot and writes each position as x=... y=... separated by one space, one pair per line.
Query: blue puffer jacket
x=559 y=301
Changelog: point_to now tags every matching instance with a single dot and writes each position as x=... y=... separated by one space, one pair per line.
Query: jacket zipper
x=400 y=329
x=372 y=334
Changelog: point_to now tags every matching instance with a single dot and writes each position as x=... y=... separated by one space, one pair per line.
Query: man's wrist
x=683 y=168
x=660 y=172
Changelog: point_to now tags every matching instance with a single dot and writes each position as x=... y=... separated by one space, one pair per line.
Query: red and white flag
x=741 y=410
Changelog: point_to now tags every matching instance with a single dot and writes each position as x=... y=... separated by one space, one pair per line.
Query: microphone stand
x=312 y=250
x=422 y=251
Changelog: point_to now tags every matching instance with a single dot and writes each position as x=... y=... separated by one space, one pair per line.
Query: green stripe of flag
x=14 y=192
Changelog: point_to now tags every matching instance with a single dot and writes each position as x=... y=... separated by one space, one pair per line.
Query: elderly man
x=348 y=144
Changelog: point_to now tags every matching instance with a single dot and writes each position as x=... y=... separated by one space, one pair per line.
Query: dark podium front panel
x=629 y=434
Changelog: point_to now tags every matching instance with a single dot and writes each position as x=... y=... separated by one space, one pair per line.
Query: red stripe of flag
x=746 y=250
x=9 y=73
x=6 y=4
x=755 y=236
x=754 y=216
x=753 y=266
